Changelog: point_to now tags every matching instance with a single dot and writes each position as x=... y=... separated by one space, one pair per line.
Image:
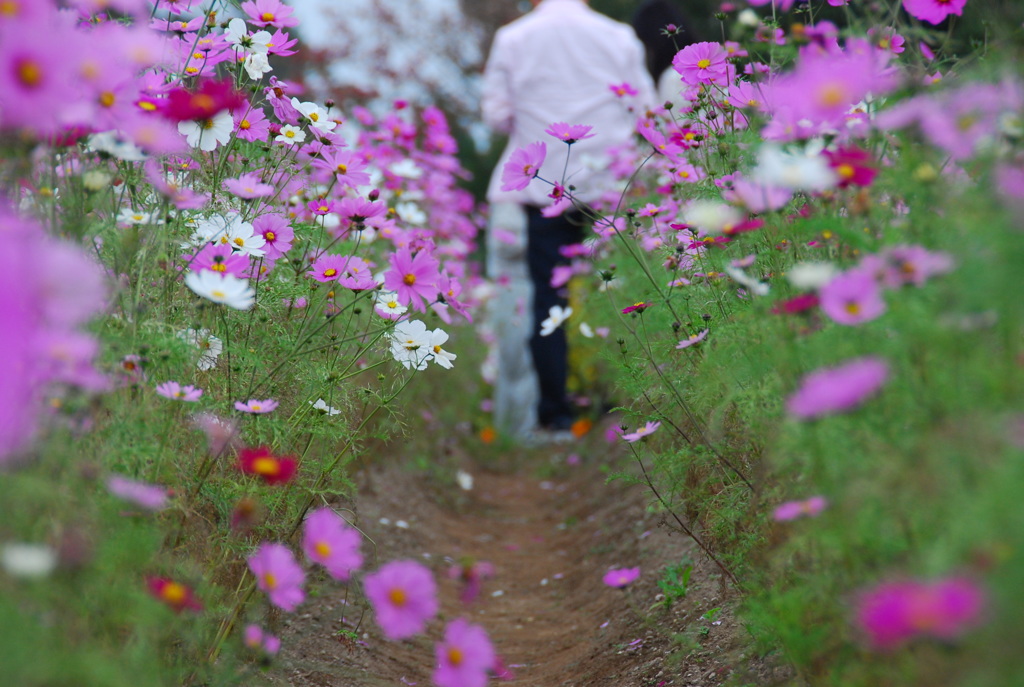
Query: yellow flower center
x=832 y=95
x=314 y=117
x=8 y=8
x=397 y=596
x=343 y=168
x=322 y=549
x=269 y=236
x=174 y=593
x=239 y=241
x=409 y=279
x=218 y=267
x=266 y=466
x=270 y=580
x=146 y=105
x=219 y=294
x=107 y=99
x=244 y=124
x=704 y=64
x=852 y=307
x=455 y=656
x=267 y=16
x=330 y=272
x=29 y=72
x=846 y=171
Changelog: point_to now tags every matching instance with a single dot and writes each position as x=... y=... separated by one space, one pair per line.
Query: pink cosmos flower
x=522 y=166
x=276 y=232
x=933 y=11
x=620 y=577
x=837 y=389
x=347 y=167
x=791 y=510
x=278 y=575
x=270 y=13
x=329 y=541
x=852 y=298
x=622 y=90
x=692 y=339
x=177 y=392
x=221 y=434
x=642 y=432
x=248 y=186
x=636 y=307
x=404 y=597
x=144 y=495
x=257 y=639
x=464 y=657
x=257 y=407
x=219 y=257
x=893 y=613
x=853 y=166
x=413 y=277
x=702 y=63
x=251 y=123
x=757 y=197
x=328 y=268
x=471 y=574
x=570 y=133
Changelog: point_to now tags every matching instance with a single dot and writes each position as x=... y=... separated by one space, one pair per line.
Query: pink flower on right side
x=933 y=11
x=404 y=597
x=894 y=613
x=834 y=390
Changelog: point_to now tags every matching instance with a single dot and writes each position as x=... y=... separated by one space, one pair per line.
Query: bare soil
x=551 y=530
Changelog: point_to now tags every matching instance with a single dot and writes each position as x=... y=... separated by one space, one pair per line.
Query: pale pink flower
x=620 y=577
x=642 y=432
x=256 y=407
x=404 y=597
x=791 y=510
x=465 y=657
x=177 y=392
x=837 y=389
x=522 y=166
x=148 y=496
x=279 y=575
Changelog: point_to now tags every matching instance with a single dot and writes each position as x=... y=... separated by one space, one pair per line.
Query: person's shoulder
x=612 y=26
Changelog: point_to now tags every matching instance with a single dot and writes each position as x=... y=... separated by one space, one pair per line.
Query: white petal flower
x=322 y=406
x=207 y=134
x=316 y=115
x=811 y=275
x=210 y=347
x=388 y=306
x=28 y=560
x=464 y=480
x=226 y=289
x=753 y=285
x=256 y=65
x=556 y=316
x=711 y=217
x=438 y=354
x=290 y=135
x=410 y=344
x=793 y=170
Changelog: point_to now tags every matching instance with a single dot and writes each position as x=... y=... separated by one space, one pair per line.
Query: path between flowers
x=546 y=608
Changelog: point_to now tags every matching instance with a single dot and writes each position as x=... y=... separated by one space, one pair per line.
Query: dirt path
x=546 y=608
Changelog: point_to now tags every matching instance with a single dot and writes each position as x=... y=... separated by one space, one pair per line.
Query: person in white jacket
x=557 y=63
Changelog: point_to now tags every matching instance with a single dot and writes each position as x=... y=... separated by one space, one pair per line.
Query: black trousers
x=545 y=237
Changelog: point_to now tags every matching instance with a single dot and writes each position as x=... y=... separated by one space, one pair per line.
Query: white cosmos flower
x=290 y=135
x=28 y=560
x=811 y=275
x=407 y=168
x=111 y=143
x=387 y=304
x=411 y=213
x=237 y=34
x=256 y=65
x=129 y=216
x=438 y=354
x=411 y=344
x=207 y=134
x=556 y=316
x=464 y=480
x=586 y=330
x=317 y=116
x=230 y=230
x=793 y=170
x=742 y=278
x=210 y=347
x=322 y=406
x=223 y=288
x=711 y=217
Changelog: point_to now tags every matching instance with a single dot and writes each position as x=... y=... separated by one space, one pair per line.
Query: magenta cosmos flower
x=701 y=63
x=620 y=577
x=852 y=298
x=413 y=277
x=257 y=639
x=894 y=613
x=278 y=575
x=933 y=11
x=329 y=541
x=270 y=13
x=522 y=166
x=837 y=389
x=177 y=392
x=464 y=657
x=257 y=407
x=792 y=510
x=570 y=133
x=404 y=597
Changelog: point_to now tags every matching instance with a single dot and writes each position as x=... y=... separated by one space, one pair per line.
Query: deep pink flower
x=636 y=307
x=148 y=496
x=522 y=166
x=620 y=577
x=570 y=133
x=177 y=392
x=329 y=541
x=837 y=389
x=933 y=11
x=413 y=277
x=791 y=510
x=36 y=76
x=853 y=166
x=176 y=595
x=404 y=597
x=256 y=407
x=623 y=89
x=894 y=613
x=852 y=298
x=465 y=657
x=279 y=575
x=272 y=469
x=702 y=63
x=206 y=101
x=248 y=186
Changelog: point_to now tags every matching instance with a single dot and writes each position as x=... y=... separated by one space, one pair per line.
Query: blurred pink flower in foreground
x=792 y=510
x=522 y=166
x=177 y=392
x=933 y=11
x=404 y=597
x=278 y=575
x=471 y=574
x=148 y=496
x=328 y=540
x=257 y=407
x=464 y=657
x=620 y=577
x=837 y=389
x=894 y=613
x=258 y=640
